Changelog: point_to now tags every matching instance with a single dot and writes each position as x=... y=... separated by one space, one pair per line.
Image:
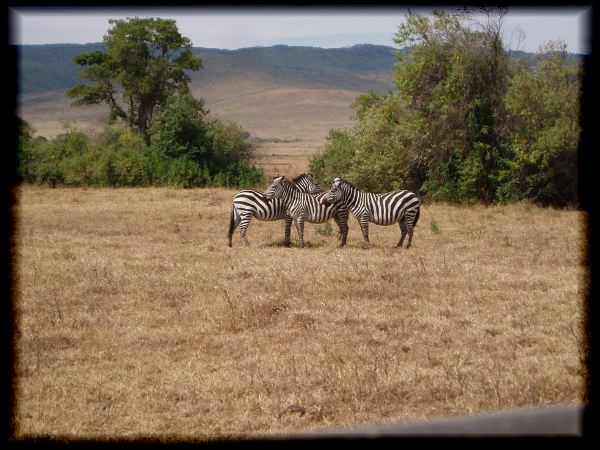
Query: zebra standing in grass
x=382 y=209
x=303 y=207
x=249 y=203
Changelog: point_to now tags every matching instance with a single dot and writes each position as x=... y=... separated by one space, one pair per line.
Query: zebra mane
x=300 y=177
x=346 y=182
x=286 y=180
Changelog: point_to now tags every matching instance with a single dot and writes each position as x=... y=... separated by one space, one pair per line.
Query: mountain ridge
x=275 y=92
x=361 y=67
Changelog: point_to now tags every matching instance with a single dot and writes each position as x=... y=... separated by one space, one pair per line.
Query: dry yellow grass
x=134 y=318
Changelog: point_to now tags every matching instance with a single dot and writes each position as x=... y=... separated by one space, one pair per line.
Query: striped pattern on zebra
x=303 y=207
x=382 y=209
x=249 y=203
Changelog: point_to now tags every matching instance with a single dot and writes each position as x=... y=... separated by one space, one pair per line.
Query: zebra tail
x=231 y=222
x=417 y=216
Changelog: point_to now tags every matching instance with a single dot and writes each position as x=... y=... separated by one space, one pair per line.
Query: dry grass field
x=135 y=319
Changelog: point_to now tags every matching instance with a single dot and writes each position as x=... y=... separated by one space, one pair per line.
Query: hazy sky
x=238 y=28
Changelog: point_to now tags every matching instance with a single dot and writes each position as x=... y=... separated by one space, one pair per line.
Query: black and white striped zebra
x=381 y=209
x=249 y=203
x=303 y=207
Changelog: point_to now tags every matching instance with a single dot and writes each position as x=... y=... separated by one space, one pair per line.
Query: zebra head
x=313 y=186
x=334 y=194
x=276 y=188
x=306 y=183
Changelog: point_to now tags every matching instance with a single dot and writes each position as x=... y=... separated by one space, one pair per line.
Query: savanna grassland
x=135 y=319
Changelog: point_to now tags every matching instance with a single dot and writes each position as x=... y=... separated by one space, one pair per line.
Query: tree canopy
x=464 y=123
x=144 y=64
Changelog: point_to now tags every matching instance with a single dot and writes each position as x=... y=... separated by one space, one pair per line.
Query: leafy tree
x=144 y=64
x=335 y=159
x=455 y=80
x=440 y=132
x=383 y=147
x=543 y=119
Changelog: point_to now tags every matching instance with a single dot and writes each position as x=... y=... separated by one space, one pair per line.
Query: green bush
x=119 y=157
x=180 y=129
x=239 y=174
x=56 y=161
x=182 y=172
x=78 y=170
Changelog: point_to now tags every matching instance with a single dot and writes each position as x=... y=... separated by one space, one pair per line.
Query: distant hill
x=283 y=93
x=50 y=67
x=361 y=67
x=364 y=67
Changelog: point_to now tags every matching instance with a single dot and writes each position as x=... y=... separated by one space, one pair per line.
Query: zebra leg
x=411 y=220
x=403 y=230
x=288 y=228
x=343 y=229
x=364 y=226
x=410 y=232
x=244 y=223
x=300 y=228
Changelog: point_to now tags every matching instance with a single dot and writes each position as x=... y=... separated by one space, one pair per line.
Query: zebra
x=303 y=207
x=249 y=203
x=382 y=209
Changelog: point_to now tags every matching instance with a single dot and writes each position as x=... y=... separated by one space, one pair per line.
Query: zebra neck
x=357 y=200
x=290 y=194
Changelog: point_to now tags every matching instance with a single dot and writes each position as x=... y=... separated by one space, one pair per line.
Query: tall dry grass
x=134 y=318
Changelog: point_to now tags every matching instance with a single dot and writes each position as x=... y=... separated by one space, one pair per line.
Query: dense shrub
x=119 y=157
x=335 y=159
x=464 y=123
x=181 y=129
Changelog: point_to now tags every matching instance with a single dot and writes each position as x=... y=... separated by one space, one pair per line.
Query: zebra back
x=295 y=201
x=256 y=203
x=384 y=209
